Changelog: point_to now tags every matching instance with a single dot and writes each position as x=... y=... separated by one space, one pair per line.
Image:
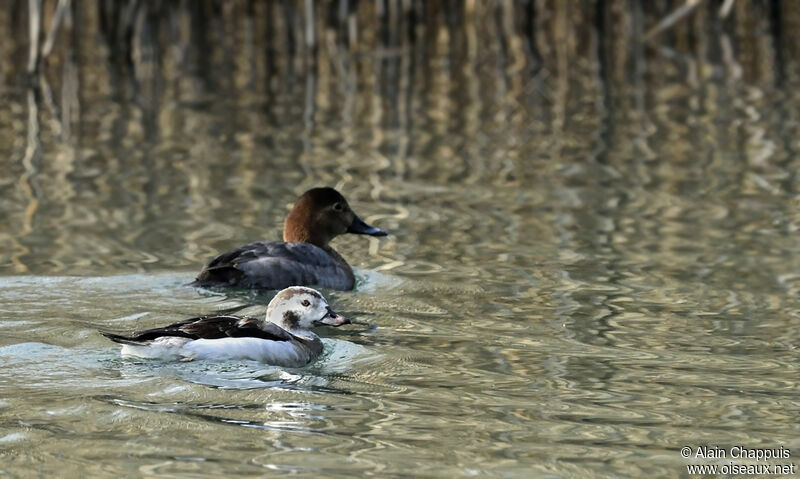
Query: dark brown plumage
x=209 y=327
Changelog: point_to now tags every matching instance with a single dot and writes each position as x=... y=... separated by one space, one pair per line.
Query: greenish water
x=587 y=269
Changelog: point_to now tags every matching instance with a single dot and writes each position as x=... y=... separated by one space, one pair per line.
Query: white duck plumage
x=283 y=338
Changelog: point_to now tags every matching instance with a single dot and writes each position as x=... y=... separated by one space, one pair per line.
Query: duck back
x=277 y=265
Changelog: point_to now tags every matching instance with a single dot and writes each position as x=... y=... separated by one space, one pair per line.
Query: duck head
x=298 y=308
x=320 y=215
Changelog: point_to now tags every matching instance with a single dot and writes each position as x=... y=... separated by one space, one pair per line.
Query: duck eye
x=306 y=302
x=338 y=207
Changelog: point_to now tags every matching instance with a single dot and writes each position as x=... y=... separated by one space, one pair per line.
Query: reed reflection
x=240 y=105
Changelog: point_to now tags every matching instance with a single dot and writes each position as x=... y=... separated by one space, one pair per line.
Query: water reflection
x=432 y=98
x=594 y=219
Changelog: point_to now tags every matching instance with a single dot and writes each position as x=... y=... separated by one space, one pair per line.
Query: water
x=593 y=259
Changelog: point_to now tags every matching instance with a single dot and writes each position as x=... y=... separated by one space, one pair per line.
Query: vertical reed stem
x=35 y=24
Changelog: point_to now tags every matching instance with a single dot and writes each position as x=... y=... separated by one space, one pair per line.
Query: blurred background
x=593 y=208
x=137 y=134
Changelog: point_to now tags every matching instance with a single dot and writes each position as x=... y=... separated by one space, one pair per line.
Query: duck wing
x=208 y=327
x=277 y=265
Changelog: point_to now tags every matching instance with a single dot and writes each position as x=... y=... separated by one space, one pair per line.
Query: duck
x=283 y=338
x=304 y=257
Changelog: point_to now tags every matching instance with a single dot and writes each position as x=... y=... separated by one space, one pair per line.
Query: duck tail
x=121 y=339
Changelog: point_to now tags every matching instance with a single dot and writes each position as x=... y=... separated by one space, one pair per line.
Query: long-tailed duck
x=283 y=338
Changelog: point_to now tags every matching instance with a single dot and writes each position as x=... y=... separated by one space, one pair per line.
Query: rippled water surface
x=593 y=257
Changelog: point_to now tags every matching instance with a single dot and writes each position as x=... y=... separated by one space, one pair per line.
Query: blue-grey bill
x=360 y=228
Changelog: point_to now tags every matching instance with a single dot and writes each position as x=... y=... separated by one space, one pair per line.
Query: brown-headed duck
x=304 y=257
x=283 y=338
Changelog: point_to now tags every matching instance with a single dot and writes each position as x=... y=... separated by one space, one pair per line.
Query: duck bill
x=333 y=319
x=360 y=228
